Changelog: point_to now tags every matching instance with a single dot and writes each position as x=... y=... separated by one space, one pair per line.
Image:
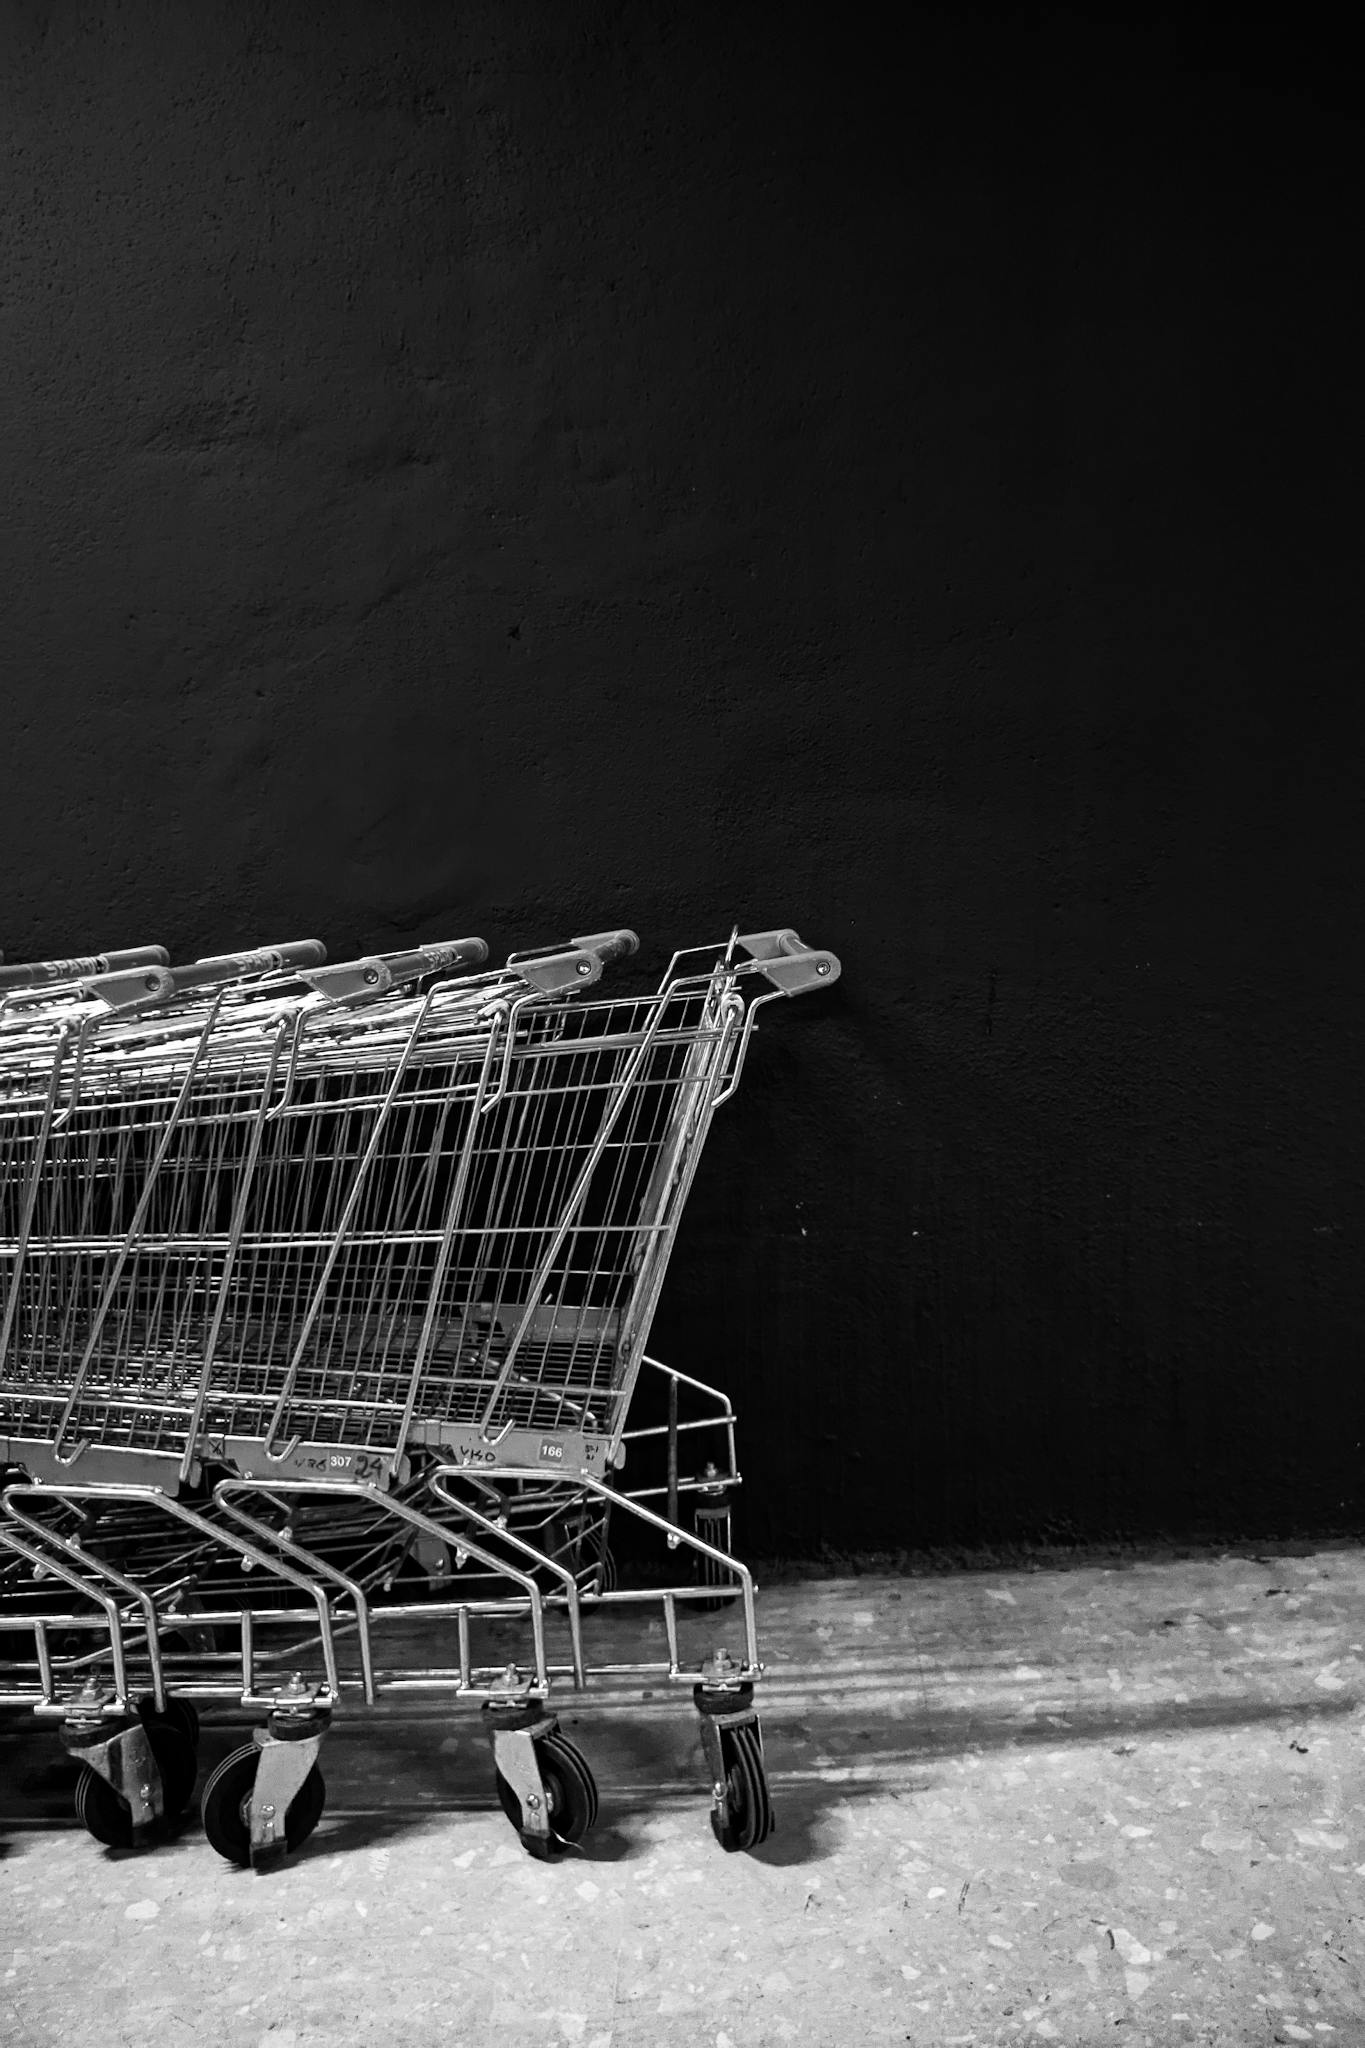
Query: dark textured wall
x=516 y=466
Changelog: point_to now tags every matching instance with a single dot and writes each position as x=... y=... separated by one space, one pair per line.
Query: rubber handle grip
x=443 y=953
x=377 y=972
x=223 y=967
x=609 y=946
x=39 y=973
x=770 y=945
x=259 y=960
x=159 y=984
x=434 y=959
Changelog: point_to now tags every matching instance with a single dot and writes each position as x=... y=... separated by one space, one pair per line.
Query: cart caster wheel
x=105 y=1813
x=713 y=1525
x=748 y=1816
x=226 y=1806
x=607 y=1579
x=570 y=1795
x=710 y=1572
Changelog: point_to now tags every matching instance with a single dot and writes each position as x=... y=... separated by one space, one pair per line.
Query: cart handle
x=376 y=973
x=159 y=984
x=577 y=965
x=610 y=946
x=40 y=973
x=788 y=963
x=606 y=946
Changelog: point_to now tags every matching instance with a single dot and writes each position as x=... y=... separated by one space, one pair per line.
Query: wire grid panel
x=116 y=1250
x=122 y=1251
x=513 y=1331
x=299 y=1242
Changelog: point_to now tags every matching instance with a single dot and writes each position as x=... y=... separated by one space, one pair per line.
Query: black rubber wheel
x=226 y=1806
x=180 y=1715
x=570 y=1795
x=748 y=1818
x=712 y=1573
x=606 y=1576
x=709 y=1571
x=105 y=1813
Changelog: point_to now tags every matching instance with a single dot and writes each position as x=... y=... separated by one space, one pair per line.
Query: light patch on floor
x=1122 y=1805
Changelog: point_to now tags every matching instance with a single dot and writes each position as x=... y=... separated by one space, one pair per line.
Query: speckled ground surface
x=1122 y=1805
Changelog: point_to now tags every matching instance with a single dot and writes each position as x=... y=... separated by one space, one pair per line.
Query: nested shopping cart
x=324 y=1315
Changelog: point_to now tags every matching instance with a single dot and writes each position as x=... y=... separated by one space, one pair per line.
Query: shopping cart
x=353 y=1289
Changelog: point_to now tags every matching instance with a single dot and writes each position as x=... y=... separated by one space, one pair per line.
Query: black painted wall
x=538 y=463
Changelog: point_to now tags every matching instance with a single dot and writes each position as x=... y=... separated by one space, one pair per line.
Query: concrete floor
x=1122 y=1805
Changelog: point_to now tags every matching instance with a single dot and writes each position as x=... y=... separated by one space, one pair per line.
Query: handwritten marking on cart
x=363 y=1465
x=522 y=1449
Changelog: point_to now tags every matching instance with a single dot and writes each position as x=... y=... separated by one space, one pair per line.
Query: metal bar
x=143 y=1203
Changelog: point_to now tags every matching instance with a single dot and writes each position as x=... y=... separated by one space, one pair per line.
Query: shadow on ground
x=387 y=1776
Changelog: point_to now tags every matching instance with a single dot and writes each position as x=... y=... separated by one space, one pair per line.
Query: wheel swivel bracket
x=290 y=1745
x=513 y=1732
x=124 y=1760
